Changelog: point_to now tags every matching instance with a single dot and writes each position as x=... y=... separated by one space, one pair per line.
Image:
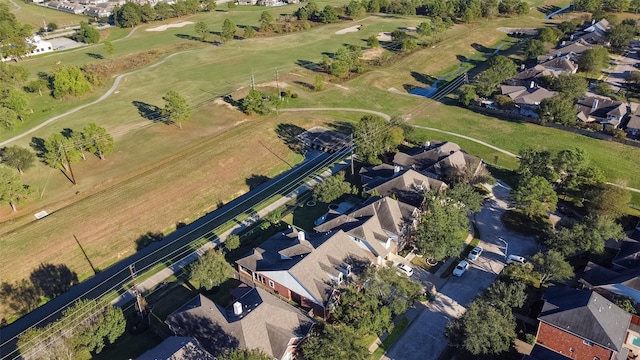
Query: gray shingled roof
x=634 y=121
x=266 y=323
x=177 y=348
x=408 y=186
x=315 y=263
x=526 y=95
x=586 y=314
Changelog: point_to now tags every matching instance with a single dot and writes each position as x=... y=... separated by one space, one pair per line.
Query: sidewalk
x=162 y=275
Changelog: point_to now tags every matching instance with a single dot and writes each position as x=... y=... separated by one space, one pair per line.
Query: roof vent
x=237 y=308
x=301 y=235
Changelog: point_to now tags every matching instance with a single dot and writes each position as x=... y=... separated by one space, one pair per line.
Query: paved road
x=424 y=339
x=624 y=66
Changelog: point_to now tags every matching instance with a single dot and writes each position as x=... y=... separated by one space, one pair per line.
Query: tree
x=163 y=11
x=534 y=48
x=535 y=197
x=331 y=188
x=15 y=100
x=464 y=196
x=231 y=5
x=588 y=235
x=593 y=60
x=318 y=83
x=175 y=108
x=13 y=35
x=8 y=117
x=328 y=342
x=55 y=147
x=71 y=337
x=255 y=103
x=482 y=330
x=558 y=109
x=467 y=94
x=610 y=200
x=373 y=42
x=577 y=179
x=97 y=140
x=202 y=29
x=536 y=162
x=500 y=69
x=364 y=312
x=238 y=354
x=228 y=30
x=18 y=158
x=69 y=81
x=620 y=36
x=12 y=191
x=505 y=296
x=52 y=26
x=328 y=15
x=266 y=21
x=130 y=14
x=440 y=233
x=87 y=34
x=570 y=85
x=210 y=270
x=627 y=304
x=248 y=32
x=147 y=13
x=548 y=35
x=551 y=266
x=36 y=86
x=373 y=137
x=355 y=9
x=109 y=48
x=232 y=242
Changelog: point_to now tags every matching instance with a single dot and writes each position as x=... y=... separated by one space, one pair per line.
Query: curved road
x=101 y=98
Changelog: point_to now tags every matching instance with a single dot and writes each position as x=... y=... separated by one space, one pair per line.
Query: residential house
x=255 y=320
x=381 y=226
x=554 y=68
x=247 y=2
x=408 y=186
x=177 y=348
x=71 y=8
x=527 y=99
x=628 y=256
x=569 y=50
x=633 y=126
x=611 y=283
x=437 y=160
x=101 y=10
x=304 y=268
x=582 y=325
x=602 y=110
x=595 y=34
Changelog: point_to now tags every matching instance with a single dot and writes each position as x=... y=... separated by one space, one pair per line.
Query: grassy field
x=30 y=13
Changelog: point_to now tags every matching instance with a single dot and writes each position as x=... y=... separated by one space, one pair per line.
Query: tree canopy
x=176 y=109
x=373 y=136
x=228 y=30
x=87 y=34
x=329 y=342
x=442 y=230
x=500 y=69
x=558 y=109
x=590 y=234
x=551 y=266
x=593 y=60
x=211 y=269
x=331 y=188
x=69 y=81
x=97 y=140
x=238 y=354
x=17 y=157
x=534 y=197
x=14 y=36
x=12 y=190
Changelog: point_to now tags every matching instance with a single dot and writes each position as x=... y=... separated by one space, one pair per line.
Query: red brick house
x=304 y=268
x=582 y=325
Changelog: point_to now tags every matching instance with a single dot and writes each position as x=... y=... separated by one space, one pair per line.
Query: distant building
x=177 y=348
x=527 y=99
x=38 y=46
x=605 y=111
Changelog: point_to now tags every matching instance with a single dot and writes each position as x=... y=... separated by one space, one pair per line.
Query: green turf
x=30 y=13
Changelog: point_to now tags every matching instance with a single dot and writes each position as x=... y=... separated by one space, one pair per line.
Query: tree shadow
x=188 y=37
x=342 y=126
x=256 y=180
x=288 y=133
x=548 y=9
x=208 y=332
x=53 y=280
x=95 y=56
x=148 y=111
x=37 y=144
x=304 y=84
x=147 y=239
x=481 y=48
x=423 y=78
x=309 y=65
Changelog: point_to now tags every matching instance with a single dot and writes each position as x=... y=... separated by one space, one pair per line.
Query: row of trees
x=598 y=7
x=131 y=14
x=14 y=36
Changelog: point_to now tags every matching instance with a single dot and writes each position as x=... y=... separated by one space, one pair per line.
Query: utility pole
x=278 y=85
x=66 y=156
x=132 y=270
x=253 y=82
x=352 y=147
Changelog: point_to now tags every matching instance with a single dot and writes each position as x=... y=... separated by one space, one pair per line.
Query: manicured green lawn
x=398 y=329
x=30 y=13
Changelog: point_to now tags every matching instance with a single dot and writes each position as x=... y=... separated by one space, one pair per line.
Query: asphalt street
x=424 y=339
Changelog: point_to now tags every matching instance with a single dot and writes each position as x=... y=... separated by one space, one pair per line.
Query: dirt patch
x=342 y=87
x=372 y=54
x=167 y=26
x=273 y=84
x=384 y=36
x=221 y=102
x=348 y=30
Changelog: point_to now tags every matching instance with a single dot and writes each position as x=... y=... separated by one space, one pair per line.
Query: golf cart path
x=101 y=98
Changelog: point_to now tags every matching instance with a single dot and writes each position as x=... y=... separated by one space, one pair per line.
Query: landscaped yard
x=30 y=13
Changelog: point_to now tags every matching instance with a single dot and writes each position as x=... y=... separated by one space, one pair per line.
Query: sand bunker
x=384 y=36
x=165 y=27
x=349 y=30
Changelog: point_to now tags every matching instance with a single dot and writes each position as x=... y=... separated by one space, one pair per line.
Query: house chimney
x=427 y=144
x=396 y=170
x=594 y=107
x=563 y=43
x=522 y=66
x=301 y=235
x=532 y=85
x=237 y=308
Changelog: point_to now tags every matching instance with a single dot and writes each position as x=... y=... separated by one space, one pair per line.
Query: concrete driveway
x=424 y=339
x=624 y=66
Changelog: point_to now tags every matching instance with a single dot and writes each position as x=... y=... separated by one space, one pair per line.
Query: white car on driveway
x=461 y=268
x=405 y=269
x=475 y=253
x=516 y=259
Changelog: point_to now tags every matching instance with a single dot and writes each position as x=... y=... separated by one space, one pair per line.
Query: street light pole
x=506 y=247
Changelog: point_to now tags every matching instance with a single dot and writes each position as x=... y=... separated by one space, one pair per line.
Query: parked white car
x=461 y=268
x=475 y=253
x=516 y=259
x=405 y=269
